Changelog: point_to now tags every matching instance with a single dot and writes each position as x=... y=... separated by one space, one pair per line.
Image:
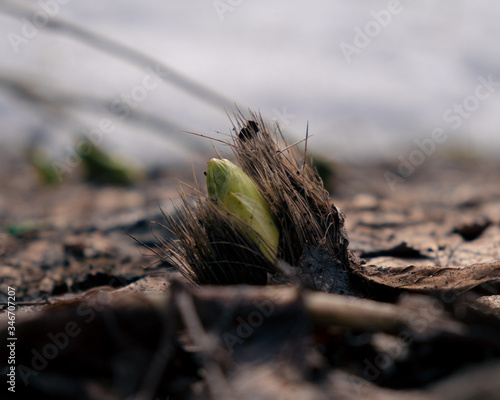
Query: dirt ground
x=64 y=243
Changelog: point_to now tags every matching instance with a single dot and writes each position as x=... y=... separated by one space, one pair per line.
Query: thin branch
x=305 y=149
x=293 y=144
x=109 y=46
x=215 y=379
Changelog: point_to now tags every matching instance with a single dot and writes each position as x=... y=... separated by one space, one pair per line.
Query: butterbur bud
x=233 y=190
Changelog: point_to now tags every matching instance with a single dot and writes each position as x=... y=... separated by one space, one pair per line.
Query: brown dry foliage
x=210 y=248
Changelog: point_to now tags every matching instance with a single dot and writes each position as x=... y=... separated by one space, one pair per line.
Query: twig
x=335 y=309
x=158 y=364
x=292 y=145
x=56 y=101
x=215 y=379
x=109 y=46
x=305 y=148
x=332 y=309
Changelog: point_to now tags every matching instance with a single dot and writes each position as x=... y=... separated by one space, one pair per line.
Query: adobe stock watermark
x=246 y=326
x=373 y=28
x=223 y=7
x=418 y=322
x=282 y=117
x=454 y=116
x=121 y=107
x=30 y=27
x=59 y=341
x=84 y=147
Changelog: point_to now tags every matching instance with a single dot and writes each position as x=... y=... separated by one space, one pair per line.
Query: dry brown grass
x=211 y=248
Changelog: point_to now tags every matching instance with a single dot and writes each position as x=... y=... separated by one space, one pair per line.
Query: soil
x=435 y=237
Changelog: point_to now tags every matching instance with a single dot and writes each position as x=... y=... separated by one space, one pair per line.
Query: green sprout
x=233 y=190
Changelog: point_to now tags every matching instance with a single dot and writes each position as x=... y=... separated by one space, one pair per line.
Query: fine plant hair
x=294 y=191
x=211 y=247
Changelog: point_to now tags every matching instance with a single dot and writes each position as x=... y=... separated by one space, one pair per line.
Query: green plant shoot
x=233 y=190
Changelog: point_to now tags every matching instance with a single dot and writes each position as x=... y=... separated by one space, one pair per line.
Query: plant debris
x=210 y=248
x=99 y=318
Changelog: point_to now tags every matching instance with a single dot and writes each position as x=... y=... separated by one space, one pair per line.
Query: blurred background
x=400 y=100
x=370 y=77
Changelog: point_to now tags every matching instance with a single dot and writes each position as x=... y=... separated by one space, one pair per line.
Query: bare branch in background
x=111 y=47
x=58 y=103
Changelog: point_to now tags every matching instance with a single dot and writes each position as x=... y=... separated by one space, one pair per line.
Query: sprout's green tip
x=231 y=188
x=217 y=178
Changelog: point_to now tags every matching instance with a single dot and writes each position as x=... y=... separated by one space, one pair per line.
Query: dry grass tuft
x=210 y=248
